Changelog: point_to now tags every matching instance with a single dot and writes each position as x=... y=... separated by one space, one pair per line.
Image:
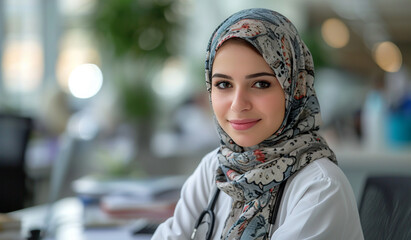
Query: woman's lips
x=243 y=124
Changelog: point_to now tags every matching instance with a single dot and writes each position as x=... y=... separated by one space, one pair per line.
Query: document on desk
x=153 y=198
x=145 y=189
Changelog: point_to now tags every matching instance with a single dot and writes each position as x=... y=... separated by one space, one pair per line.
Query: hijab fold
x=251 y=176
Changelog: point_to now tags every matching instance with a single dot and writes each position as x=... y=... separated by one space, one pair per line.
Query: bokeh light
x=85 y=80
x=23 y=65
x=76 y=48
x=172 y=81
x=335 y=33
x=387 y=56
x=150 y=39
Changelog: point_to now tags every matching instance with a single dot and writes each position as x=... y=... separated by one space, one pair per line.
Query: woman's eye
x=262 y=84
x=222 y=85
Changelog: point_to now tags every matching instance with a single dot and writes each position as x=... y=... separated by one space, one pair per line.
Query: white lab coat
x=318 y=203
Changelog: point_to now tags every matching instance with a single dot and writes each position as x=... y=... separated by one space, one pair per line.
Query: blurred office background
x=124 y=81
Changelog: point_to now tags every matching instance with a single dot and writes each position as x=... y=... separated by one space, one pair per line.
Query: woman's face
x=247 y=98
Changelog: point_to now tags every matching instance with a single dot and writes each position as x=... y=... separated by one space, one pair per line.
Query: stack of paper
x=130 y=207
x=152 y=198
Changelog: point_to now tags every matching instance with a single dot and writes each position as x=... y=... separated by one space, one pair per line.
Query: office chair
x=14 y=136
x=385 y=208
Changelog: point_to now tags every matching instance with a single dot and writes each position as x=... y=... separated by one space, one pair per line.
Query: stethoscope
x=210 y=212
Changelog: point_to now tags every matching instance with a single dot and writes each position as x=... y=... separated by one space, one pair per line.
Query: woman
x=275 y=176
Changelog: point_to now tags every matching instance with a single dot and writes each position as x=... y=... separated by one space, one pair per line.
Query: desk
x=358 y=163
x=67 y=222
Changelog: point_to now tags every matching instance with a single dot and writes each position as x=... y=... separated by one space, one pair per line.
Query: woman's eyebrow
x=220 y=75
x=260 y=74
x=254 y=75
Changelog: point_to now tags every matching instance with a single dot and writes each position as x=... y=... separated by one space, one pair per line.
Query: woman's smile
x=243 y=124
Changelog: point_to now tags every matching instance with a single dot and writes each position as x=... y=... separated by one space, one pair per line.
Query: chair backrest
x=385 y=208
x=14 y=136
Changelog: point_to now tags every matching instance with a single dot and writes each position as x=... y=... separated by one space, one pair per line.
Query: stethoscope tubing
x=210 y=212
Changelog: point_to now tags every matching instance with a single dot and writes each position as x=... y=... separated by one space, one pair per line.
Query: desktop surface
x=67 y=222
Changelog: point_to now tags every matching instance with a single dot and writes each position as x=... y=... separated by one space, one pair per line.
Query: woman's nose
x=241 y=101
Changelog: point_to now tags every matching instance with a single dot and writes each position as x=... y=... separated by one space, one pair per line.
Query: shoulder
x=193 y=199
x=318 y=201
x=211 y=155
x=320 y=170
x=318 y=182
x=203 y=176
x=210 y=161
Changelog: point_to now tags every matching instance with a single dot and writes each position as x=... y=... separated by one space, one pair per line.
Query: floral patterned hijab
x=251 y=176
